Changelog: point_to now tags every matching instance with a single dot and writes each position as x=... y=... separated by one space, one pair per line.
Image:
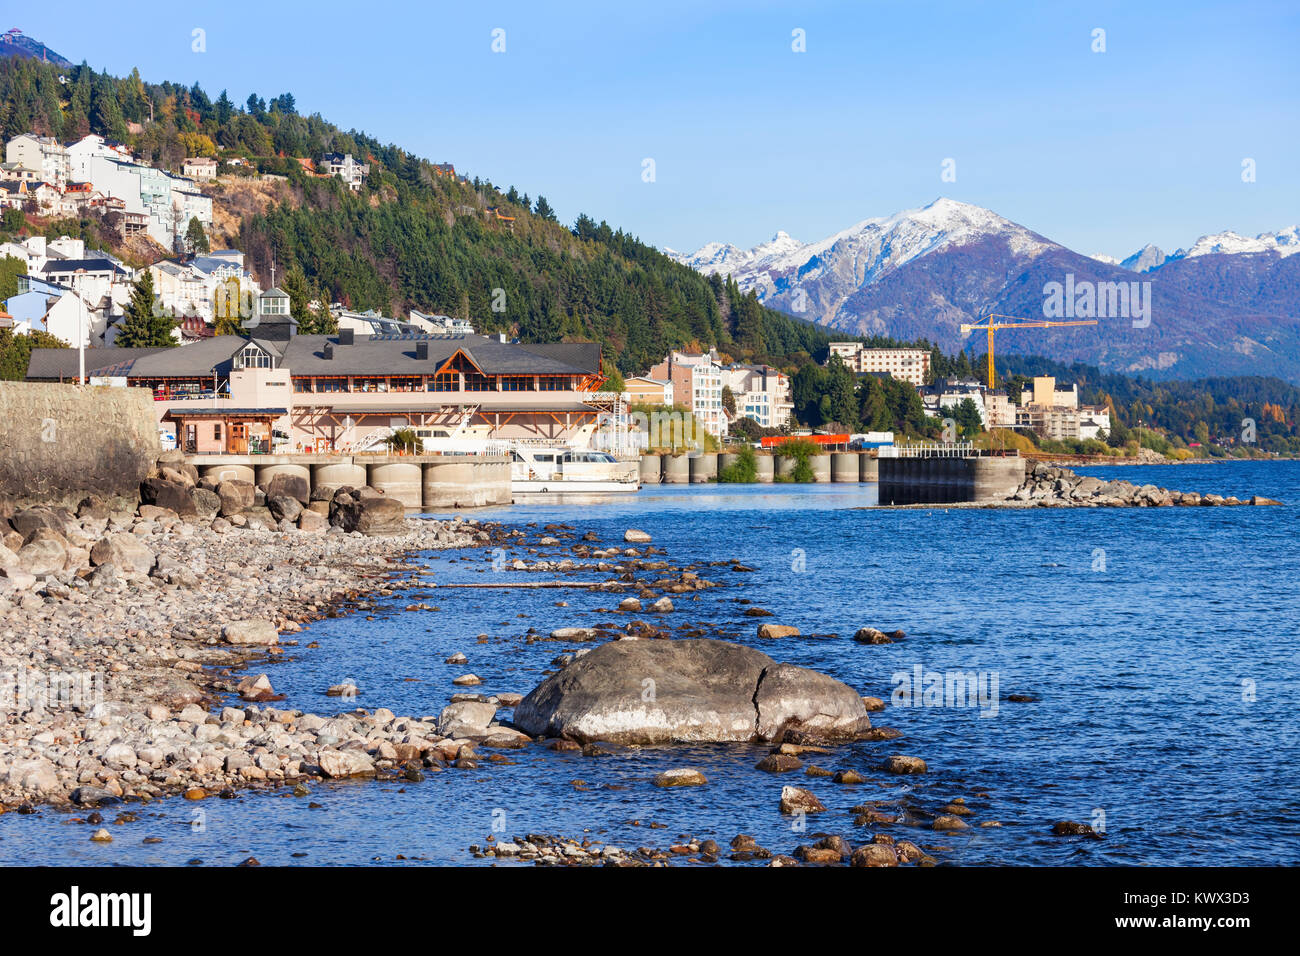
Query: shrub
x=744 y=470
x=405 y=439
x=800 y=450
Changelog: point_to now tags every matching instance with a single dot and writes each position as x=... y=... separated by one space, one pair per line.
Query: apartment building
x=697 y=380
x=1053 y=411
x=762 y=393
x=43 y=154
x=907 y=365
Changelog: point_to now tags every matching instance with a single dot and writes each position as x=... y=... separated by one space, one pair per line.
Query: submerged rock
x=681 y=777
x=653 y=692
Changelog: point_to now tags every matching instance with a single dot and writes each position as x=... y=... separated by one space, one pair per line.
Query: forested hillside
x=414 y=236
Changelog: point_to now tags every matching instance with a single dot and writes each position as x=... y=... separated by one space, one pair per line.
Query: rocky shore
x=120 y=630
x=1049 y=486
x=132 y=645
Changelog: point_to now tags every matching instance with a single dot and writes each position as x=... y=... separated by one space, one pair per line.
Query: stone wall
x=59 y=442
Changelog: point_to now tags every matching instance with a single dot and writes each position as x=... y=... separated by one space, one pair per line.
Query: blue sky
x=1103 y=151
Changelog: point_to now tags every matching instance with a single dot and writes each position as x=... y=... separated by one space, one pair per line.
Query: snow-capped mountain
x=837 y=266
x=1284 y=243
x=1220 y=307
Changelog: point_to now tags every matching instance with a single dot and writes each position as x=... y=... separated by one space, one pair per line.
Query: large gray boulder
x=125 y=551
x=236 y=496
x=162 y=493
x=655 y=692
x=368 y=515
x=290 y=486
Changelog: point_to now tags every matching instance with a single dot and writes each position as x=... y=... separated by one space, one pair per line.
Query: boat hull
x=577 y=486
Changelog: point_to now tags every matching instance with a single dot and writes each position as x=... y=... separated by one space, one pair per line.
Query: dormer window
x=254 y=357
x=274 y=305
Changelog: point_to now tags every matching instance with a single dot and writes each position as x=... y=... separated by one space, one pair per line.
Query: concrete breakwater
x=682 y=469
x=908 y=481
x=419 y=482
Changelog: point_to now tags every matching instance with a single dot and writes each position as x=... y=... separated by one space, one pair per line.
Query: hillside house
x=346 y=168
x=199 y=167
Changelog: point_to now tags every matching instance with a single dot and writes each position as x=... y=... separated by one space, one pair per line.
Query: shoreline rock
x=124 y=646
x=690 y=690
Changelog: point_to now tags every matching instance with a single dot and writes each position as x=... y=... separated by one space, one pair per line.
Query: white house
x=45 y=154
x=441 y=324
x=199 y=167
x=346 y=168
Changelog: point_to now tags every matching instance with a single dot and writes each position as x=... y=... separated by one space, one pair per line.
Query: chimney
x=346 y=337
x=329 y=351
x=422 y=351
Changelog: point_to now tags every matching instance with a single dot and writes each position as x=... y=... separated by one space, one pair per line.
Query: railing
x=929 y=449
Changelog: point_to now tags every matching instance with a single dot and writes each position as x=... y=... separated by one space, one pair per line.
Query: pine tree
x=145 y=325
x=196 y=240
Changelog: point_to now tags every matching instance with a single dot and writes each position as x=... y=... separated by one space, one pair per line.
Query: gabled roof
x=305 y=355
x=98 y=264
x=63 y=363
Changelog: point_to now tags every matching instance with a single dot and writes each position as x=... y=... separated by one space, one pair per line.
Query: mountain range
x=15 y=43
x=1228 y=304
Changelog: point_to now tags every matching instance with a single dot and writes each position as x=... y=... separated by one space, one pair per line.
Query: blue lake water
x=1160 y=645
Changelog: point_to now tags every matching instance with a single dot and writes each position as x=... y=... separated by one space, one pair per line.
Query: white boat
x=559 y=469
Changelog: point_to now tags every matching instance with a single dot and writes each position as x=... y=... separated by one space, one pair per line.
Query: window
x=369 y=385
x=517 y=383
x=275 y=306
x=406 y=384
x=474 y=382
x=331 y=384
x=302 y=385
x=553 y=383
x=444 y=382
x=254 y=357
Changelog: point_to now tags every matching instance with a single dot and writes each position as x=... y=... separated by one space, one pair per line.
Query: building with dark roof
x=338 y=392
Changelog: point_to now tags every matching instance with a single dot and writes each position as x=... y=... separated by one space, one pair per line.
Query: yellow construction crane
x=987 y=324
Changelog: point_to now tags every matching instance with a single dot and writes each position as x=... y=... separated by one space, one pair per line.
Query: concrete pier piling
x=844 y=467
x=651 y=469
x=677 y=470
x=419 y=482
x=332 y=477
x=703 y=468
x=399 y=479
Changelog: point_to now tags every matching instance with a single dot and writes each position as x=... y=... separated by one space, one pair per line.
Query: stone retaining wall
x=58 y=442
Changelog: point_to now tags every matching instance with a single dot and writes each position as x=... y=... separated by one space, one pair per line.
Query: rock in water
x=635 y=536
x=346 y=763
x=798 y=800
x=654 y=692
x=902 y=764
x=680 y=777
x=466 y=718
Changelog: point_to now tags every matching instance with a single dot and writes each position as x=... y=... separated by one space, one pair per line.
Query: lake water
x=1160 y=646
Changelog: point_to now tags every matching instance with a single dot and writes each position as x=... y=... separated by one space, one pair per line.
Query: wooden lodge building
x=272 y=390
